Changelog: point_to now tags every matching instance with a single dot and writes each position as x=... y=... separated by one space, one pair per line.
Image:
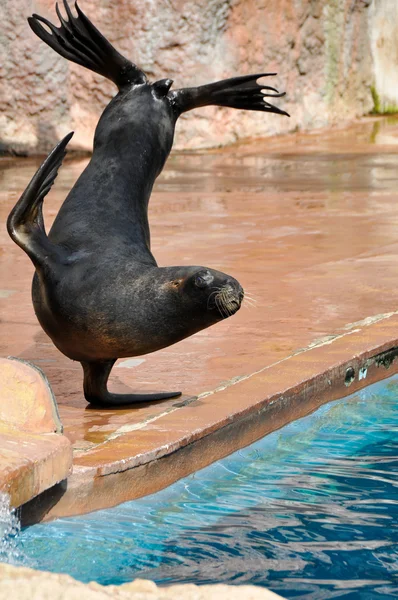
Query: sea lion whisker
x=218 y=306
x=226 y=313
x=226 y=294
x=230 y=303
x=221 y=308
x=248 y=306
x=216 y=290
x=229 y=310
x=249 y=297
x=249 y=302
x=213 y=294
x=221 y=293
x=223 y=298
x=226 y=308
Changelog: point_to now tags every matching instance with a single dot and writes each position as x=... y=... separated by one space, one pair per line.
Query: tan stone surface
x=33 y=454
x=20 y=583
x=27 y=401
x=321 y=50
x=32 y=463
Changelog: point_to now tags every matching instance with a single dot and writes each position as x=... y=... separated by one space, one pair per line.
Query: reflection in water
x=309 y=511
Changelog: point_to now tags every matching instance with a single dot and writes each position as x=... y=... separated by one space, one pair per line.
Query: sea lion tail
x=78 y=40
x=238 y=92
x=25 y=223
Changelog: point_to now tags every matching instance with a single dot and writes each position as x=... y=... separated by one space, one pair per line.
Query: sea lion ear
x=162 y=87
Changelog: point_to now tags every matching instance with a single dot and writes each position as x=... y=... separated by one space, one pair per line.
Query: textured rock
x=383 y=23
x=27 y=401
x=33 y=454
x=20 y=583
x=31 y=463
x=320 y=48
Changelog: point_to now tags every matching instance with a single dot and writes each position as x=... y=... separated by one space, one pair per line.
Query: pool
x=310 y=511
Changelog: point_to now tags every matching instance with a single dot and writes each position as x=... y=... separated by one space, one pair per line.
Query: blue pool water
x=310 y=511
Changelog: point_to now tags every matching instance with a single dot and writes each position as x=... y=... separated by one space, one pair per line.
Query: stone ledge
x=30 y=464
x=27 y=403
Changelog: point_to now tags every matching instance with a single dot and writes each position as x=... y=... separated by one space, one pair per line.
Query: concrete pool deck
x=309 y=225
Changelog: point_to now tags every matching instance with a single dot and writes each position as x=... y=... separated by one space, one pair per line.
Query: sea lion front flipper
x=78 y=40
x=25 y=223
x=96 y=376
x=238 y=92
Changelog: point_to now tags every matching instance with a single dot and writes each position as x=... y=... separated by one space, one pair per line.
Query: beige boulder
x=34 y=455
x=20 y=583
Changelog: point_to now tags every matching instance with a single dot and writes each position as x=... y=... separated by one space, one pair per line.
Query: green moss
x=379 y=108
x=390 y=110
x=376 y=100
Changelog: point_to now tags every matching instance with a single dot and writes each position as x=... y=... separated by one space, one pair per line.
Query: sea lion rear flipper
x=238 y=92
x=25 y=223
x=96 y=376
x=78 y=40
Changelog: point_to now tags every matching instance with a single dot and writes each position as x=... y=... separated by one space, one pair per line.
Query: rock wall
x=321 y=49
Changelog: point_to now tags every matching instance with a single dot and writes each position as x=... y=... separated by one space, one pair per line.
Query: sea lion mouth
x=227 y=300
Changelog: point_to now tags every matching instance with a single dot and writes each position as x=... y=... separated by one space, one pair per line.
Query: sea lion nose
x=233 y=287
x=234 y=293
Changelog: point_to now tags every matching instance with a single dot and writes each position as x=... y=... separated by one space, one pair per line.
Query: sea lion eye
x=203 y=279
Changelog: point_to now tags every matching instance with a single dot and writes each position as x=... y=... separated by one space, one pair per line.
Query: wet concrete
x=307 y=223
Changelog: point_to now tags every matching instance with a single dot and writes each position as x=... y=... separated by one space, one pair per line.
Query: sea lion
x=98 y=291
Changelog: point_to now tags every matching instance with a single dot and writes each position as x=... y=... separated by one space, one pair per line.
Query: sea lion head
x=204 y=293
x=163 y=305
